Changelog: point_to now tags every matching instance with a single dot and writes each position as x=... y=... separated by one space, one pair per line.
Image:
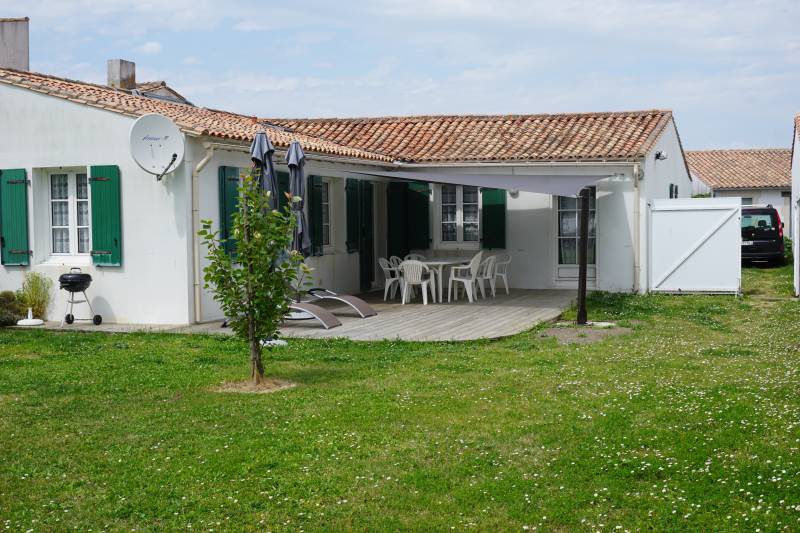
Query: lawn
x=690 y=422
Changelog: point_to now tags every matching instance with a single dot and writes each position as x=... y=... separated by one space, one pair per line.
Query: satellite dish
x=156 y=144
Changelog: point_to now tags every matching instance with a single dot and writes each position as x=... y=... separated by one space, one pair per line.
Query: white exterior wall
x=699 y=187
x=658 y=175
x=796 y=209
x=774 y=197
x=152 y=285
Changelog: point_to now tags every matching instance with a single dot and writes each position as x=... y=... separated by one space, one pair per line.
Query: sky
x=729 y=70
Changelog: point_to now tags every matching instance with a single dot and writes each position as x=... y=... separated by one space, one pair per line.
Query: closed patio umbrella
x=296 y=160
x=261 y=151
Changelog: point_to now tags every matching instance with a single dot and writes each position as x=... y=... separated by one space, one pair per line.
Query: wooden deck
x=490 y=318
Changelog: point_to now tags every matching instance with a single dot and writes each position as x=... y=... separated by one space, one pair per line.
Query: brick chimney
x=121 y=74
x=14 y=51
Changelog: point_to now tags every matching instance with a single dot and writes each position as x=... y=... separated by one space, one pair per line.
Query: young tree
x=254 y=285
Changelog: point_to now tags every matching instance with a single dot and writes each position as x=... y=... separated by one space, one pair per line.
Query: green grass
x=691 y=422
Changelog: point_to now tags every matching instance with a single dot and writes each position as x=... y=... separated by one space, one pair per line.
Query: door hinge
x=100 y=252
x=99 y=179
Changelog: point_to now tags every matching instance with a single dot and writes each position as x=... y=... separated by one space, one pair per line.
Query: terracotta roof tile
x=578 y=136
x=191 y=119
x=742 y=169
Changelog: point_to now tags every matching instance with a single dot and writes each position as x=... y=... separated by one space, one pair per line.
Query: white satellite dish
x=156 y=144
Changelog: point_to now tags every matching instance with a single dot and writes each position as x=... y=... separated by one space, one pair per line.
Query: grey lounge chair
x=309 y=311
x=357 y=304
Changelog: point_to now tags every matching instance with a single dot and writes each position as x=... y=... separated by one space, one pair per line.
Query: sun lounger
x=357 y=304
x=308 y=311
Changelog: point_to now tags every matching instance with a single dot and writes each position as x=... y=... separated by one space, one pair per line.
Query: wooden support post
x=583 y=251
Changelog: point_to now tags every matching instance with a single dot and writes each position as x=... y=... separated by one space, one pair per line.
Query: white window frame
x=328 y=247
x=72 y=212
x=459 y=243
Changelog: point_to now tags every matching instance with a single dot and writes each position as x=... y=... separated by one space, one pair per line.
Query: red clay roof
x=434 y=139
x=742 y=169
x=569 y=137
x=197 y=120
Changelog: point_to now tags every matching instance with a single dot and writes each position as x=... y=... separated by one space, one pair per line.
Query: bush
x=788 y=251
x=35 y=293
x=10 y=309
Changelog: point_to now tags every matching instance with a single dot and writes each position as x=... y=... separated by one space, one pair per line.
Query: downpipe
x=637 y=171
x=197 y=274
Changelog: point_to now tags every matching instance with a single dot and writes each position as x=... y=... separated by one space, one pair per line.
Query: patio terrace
x=490 y=318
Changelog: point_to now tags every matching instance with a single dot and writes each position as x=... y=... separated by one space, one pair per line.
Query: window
x=326 y=213
x=747 y=201
x=69 y=214
x=460 y=214
x=759 y=221
x=673 y=190
x=568 y=216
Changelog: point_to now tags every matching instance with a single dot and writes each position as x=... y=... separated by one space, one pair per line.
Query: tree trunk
x=256 y=366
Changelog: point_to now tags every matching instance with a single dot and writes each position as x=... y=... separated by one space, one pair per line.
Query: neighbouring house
x=757 y=176
x=70 y=194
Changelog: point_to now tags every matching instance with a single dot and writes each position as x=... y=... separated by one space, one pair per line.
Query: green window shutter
x=418 y=213
x=228 y=205
x=104 y=184
x=14 y=217
x=353 y=214
x=493 y=218
x=315 y=214
x=283 y=189
x=397 y=243
x=366 y=235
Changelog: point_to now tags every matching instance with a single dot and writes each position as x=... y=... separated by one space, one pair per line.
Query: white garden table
x=437 y=265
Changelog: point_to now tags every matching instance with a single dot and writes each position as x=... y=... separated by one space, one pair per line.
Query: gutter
x=554 y=163
x=197 y=274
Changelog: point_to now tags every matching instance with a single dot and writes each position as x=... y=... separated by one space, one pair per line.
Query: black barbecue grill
x=75 y=282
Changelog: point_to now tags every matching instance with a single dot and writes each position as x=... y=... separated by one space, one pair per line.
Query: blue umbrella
x=261 y=151
x=296 y=160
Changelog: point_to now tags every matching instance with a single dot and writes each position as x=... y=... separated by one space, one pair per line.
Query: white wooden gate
x=695 y=245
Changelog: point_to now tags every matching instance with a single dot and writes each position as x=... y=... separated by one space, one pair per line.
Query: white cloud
x=150 y=47
x=191 y=60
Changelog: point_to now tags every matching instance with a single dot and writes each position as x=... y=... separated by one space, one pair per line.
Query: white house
x=757 y=176
x=70 y=194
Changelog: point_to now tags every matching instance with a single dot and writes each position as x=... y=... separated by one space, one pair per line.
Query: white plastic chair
x=466 y=275
x=501 y=269
x=392 y=277
x=415 y=257
x=395 y=261
x=414 y=273
x=486 y=274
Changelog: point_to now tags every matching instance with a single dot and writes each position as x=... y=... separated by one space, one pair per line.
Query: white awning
x=554 y=184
